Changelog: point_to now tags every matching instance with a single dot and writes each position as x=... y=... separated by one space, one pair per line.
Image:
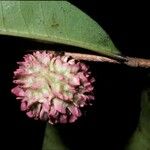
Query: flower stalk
x=129 y=61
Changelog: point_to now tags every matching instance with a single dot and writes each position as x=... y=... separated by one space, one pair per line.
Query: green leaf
x=52 y=141
x=141 y=137
x=54 y=22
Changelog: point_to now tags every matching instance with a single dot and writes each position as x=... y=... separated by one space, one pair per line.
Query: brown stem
x=129 y=61
x=89 y=57
x=138 y=62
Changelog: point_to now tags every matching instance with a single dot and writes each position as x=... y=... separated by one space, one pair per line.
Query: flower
x=52 y=87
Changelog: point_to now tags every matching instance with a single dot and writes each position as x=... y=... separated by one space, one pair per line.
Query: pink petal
x=75 y=111
x=64 y=58
x=82 y=77
x=84 y=67
x=18 y=91
x=71 y=62
x=43 y=115
x=63 y=119
x=59 y=106
x=75 y=69
x=30 y=114
x=88 y=89
x=72 y=119
x=24 y=106
x=53 y=112
x=58 y=94
x=75 y=81
x=58 y=63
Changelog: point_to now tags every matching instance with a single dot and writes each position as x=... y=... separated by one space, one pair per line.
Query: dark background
x=110 y=122
x=127 y=23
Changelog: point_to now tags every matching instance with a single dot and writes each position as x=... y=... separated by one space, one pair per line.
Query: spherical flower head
x=52 y=87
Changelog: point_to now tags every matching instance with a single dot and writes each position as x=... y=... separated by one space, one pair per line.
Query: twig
x=90 y=57
x=138 y=62
x=129 y=61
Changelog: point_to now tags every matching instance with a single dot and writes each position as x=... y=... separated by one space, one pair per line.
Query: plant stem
x=129 y=61
x=141 y=138
x=52 y=139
